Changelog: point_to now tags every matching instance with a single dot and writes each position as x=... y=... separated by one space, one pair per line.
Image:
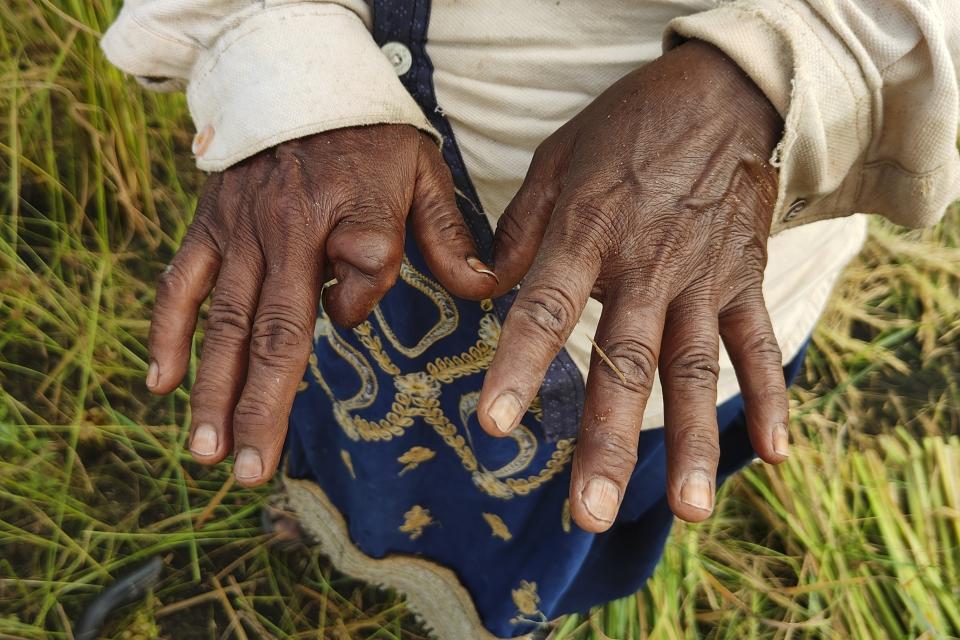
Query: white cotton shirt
x=510 y=84
x=868 y=90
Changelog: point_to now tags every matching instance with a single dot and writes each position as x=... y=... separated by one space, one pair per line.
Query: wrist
x=729 y=93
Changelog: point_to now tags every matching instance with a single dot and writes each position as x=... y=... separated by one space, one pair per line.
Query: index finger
x=536 y=328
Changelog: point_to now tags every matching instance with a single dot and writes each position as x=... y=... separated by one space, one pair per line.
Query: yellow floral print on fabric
x=417 y=394
x=528 y=603
x=497 y=526
x=414 y=457
x=526 y=598
x=565 y=516
x=415 y=520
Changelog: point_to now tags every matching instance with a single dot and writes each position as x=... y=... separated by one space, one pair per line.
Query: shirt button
x=795 y=208
x=399 y=56
x=201 y=141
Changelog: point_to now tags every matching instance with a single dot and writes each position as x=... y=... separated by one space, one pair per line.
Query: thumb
x=521 y=227
x=441 y=232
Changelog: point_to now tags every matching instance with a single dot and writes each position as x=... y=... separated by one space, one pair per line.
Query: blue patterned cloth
x=385 y=426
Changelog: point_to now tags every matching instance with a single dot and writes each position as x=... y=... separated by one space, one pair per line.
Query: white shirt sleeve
x=869 y=93
x=260 y=72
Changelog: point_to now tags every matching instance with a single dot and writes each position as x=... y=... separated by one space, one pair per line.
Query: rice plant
x=856 y=536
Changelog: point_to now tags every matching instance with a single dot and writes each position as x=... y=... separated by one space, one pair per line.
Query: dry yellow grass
x=857 y=536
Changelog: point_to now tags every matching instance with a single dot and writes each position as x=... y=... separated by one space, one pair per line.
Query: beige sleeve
x=869 y=93
x=260 y=72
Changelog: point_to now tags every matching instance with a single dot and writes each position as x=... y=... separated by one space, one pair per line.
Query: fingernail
x=480 y=267
x=153 y=375
x=204 y=442
x=504 y=411
x=601 y=499
x=697 y=491
x=248 y=464
x=781 y=440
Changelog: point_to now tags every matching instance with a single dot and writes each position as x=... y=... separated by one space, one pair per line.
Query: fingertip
x=774 y=446
x=469 y=278
x=161 y=380
x=153 y=375
x=508 y=273
x=501 y=415
x=693 y=499
x=249 y=468
x=781 y=440
x=586 y=521
x=346 y=306
x=482 y=283
x=207 y=445
x=767 y=417
x=480 y=267
x=595 y=505
x=247 y=483
x=690 y=515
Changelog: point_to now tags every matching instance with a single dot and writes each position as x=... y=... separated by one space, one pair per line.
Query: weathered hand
x=267 y=234
x=656 y=200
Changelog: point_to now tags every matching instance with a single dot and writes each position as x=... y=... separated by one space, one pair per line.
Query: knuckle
x=206 y=394
x=763 y=344
x=375 y=250
x=252 y=416
x=172 y=282
x=278 y=334
x=697 y=443
x=373 y=284
x=450 y=231
x=591 y=229
x=374 y=212
x=227 y=320
x=694 y=366
x=509 y=228
x=773 y=395
x=548 y=312
x=614 y=451
x=635 y=359
x=753 y=257
x=386 y=256
x=544 y=157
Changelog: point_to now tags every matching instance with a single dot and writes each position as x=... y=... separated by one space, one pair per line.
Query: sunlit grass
x=857 y=536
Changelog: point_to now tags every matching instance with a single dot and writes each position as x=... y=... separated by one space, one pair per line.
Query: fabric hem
x=432 y=591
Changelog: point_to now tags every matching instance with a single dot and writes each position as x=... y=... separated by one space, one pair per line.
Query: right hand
x=268 y=232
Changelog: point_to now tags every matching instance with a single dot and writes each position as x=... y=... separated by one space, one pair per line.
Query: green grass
x=857 y=536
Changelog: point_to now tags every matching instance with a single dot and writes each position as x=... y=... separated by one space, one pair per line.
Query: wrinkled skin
x=268 y=233
x=656 y=200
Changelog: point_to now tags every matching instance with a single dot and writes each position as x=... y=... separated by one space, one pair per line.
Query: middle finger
x=622 y=370
x=688 y=372
x=280 y=344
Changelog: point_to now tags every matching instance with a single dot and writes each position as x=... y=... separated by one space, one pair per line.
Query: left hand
x=656 y=200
